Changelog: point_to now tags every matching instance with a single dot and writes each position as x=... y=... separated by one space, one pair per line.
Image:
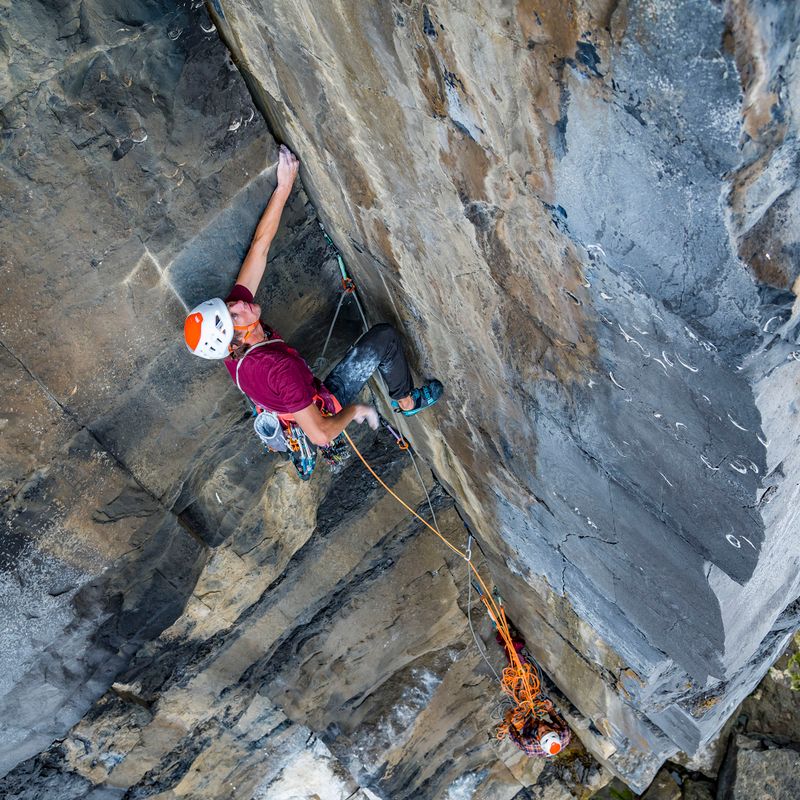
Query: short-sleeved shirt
x=275 y=376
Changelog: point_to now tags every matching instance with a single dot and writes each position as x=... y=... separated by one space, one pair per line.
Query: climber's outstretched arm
x=255 y=261
x=323 y=430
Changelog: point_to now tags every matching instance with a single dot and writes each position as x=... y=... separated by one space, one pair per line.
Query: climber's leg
x=379 y=348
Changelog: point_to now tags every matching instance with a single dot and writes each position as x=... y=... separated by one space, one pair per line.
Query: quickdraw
x=305 y=458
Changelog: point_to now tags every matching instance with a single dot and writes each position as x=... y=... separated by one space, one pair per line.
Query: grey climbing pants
x=379 y=348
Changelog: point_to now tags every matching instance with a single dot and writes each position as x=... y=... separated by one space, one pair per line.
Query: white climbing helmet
x=208 y=329
x=550 y=743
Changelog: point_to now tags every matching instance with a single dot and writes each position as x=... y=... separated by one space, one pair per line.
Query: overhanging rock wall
x=552 y=201
x=580 y=214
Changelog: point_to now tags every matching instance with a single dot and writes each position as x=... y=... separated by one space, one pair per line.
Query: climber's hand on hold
x=368 y=414
x=288 y=164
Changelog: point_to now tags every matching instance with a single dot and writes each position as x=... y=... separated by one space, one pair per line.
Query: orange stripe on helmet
x=192 y=329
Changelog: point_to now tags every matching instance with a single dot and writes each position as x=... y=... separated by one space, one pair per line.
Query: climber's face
x=244 y=313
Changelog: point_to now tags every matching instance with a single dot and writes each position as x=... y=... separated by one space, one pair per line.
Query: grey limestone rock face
x=126 y=135
x=181 y=616
x=760 y=768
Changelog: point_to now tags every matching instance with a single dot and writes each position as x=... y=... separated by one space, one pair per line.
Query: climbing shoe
x=423 y=398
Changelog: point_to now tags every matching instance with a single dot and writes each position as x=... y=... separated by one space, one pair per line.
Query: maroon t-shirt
x=275 y=376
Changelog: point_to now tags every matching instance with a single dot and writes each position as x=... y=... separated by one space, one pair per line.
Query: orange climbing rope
x=520 y=680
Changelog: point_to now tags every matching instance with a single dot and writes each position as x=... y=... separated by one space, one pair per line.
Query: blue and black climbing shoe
x=423 y=398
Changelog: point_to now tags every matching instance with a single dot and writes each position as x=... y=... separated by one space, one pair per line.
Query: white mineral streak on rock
x=614 y=381
x=630 y=340
x=313 y=772
x=709 y=464
x=666 y=359
x=684 y=364
x=736 y=424
x=662 y=365
x=624 y=455
x=464 y=787
x=596 y=247
x=666 y=479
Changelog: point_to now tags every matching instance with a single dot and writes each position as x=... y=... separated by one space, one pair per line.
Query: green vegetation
x=793 y=667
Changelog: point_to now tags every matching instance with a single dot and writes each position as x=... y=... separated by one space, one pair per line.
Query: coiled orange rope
x=519 y=679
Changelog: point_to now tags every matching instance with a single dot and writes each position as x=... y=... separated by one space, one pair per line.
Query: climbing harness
x=282 y=435
x=266 y=424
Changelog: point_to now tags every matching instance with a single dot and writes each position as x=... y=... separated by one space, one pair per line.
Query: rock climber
x=539 y=736
x=546 y=734
x=276 y=378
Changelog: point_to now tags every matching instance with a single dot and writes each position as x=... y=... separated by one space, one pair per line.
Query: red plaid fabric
x=529 y=742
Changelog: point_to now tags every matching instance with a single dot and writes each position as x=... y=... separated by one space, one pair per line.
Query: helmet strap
x=247 y=328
